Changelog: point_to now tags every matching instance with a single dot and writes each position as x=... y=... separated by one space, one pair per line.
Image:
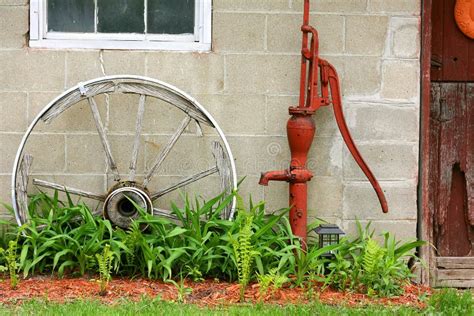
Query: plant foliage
x=68 y=239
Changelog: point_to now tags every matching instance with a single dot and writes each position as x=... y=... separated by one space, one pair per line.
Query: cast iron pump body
x=301 y=127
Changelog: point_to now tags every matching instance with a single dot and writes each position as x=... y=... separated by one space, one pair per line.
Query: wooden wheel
x=94 y=100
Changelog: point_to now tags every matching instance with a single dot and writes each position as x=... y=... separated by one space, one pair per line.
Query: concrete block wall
x=247 y=82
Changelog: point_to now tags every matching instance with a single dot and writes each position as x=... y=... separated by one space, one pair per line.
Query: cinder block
x=5 y=194
x=48 y=152
x=277 y=117
x=324 y=197
x=332 y=5
x=37 y=101
x=237 y=114
x=238 y=32
x=361 y=76
x=366 y=35
x=13 y=2
x=124 y=62
x=401 y=80
x=8 y=147
x=13 y=109
x=160 y=117
x=402 y=230
x=191 y=154
x=405 y=37
x=378 y=121
x=262 y=74
x=122 y=112
x=32 y=70
x=387 y=161
x=284 y=33
x=360 y=201
x=122 y=147
x=408 y=7
x=325 y=156
x=177 y=197
x=250 y=189
x=256 y=154
x=251 y=5
x=193 y=73
x=82 y=66
x=85 y=155
x=13 y=26
x=77 y=118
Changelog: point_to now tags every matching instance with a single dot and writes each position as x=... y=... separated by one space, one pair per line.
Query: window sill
x=121 y=45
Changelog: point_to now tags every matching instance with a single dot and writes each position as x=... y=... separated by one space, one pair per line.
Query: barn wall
x=247 y=82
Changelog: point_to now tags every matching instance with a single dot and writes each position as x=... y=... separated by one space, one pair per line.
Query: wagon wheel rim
x=130 y=188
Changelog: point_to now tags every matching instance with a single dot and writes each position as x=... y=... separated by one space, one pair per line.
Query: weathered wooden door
x=451 y=196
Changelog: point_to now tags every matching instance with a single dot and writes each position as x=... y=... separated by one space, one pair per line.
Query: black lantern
x=328 y=234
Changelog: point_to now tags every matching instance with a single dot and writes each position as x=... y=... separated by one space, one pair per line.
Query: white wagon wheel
x=114 y=202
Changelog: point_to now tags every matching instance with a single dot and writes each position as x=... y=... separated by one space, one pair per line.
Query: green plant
x=11 y=258
x=104 y=263
x=451 y=302
x=272 y=279
x=182 y=290
x=244 y=251
x=365 y=266
x=310 y=261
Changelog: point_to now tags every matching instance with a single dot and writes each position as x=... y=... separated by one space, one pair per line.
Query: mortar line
x=66 y=58
x=265 y=35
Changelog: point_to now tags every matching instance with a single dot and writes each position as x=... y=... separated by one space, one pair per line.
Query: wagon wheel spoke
x=136 y=141
x=184 y=182
x=103 y=138
x=114 y=202
x=63 y=188
x=163 y=213
x=165 y=151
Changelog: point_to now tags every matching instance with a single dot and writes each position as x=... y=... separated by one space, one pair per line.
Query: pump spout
x=280 y=175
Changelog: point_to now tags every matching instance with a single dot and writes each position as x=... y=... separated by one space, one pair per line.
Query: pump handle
x=333 y=81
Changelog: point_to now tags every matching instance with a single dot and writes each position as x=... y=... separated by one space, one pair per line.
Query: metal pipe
x=301 y=128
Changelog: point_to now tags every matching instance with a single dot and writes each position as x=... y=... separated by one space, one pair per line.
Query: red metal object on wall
x=301 y=127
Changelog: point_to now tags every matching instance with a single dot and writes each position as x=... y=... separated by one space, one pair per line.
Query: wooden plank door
x=451 y=183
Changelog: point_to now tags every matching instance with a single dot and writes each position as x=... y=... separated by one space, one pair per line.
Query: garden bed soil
x=207 y=293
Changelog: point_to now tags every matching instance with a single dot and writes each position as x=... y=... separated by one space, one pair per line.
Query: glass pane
x=170 y=16
x=121 y=16
x=71 y=15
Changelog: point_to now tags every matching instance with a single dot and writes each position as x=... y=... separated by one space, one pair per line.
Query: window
x=121 y=24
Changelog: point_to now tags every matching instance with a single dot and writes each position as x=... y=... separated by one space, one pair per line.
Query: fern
x=244 y=251
x=372 y=255
x=104 y=261
x=273 y=279
x=12 y=263
x=131 y=241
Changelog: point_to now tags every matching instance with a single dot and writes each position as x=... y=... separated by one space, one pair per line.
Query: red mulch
x=206 y=293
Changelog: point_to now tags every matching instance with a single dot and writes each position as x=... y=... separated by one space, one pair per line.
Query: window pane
x=71 y=15
x=121 y=16
x=170 y=16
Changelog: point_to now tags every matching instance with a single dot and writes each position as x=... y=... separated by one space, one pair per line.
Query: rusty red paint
x=452 y=168
x=425 y=218
x=301 y=127
x=452 y=51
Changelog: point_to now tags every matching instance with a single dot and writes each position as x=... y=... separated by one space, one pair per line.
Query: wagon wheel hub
x=123 y=202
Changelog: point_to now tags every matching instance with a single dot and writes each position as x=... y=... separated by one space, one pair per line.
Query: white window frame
x=199 y=41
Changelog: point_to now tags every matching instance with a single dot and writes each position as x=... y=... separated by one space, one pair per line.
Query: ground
x=207 y=293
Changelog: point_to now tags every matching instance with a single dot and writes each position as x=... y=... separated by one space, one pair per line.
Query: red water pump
x=301 y=127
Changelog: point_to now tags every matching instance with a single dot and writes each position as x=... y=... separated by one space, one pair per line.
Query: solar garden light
x=328 y=234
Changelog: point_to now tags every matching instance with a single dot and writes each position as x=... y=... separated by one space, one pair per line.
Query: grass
x=444 y=302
